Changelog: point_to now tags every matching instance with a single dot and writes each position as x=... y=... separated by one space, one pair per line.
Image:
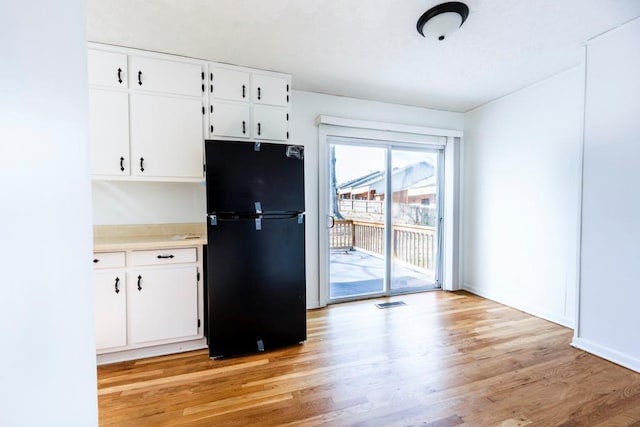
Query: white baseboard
x=551 y=317
x=158 y=350
x=313 y=305
x=607 y=353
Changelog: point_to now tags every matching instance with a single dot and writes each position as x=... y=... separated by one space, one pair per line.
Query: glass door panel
x=357 y=186
x=414 y=220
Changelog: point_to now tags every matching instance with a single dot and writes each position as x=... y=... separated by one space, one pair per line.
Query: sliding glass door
x=384 y=214
x=415 y=213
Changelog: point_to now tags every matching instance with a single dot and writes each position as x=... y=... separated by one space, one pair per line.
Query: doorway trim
x=410 y=135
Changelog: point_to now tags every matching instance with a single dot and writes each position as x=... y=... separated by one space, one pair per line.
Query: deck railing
x=412 y=244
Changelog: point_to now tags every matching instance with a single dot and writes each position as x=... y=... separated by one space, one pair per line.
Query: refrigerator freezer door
x=256 y=290
x=239 y=174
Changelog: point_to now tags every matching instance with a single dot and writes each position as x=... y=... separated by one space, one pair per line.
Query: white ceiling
x=370 y=48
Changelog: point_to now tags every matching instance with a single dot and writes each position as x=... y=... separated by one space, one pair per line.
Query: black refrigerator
x=255 y=256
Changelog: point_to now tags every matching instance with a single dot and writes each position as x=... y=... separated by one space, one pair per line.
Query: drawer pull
x=122 y=164
x=165 y=256
x=120 y=75
x=140 y=78
x=259 y=94
x=116 y=285
x=139 y=283
x=141 y=164
x=96 y=260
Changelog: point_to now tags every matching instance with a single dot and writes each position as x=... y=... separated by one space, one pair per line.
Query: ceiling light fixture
x=442 y=20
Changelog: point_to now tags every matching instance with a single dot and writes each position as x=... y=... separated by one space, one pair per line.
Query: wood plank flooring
x=444 y=359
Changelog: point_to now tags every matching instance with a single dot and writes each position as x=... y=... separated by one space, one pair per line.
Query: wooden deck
x=445 y=359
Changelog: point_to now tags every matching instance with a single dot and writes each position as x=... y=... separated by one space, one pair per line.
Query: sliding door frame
x=400 y=136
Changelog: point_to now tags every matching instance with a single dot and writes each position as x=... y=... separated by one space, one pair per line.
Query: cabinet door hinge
x=203 y=110
x=198 y=276
x=198 y=323
x=287 y=116
x=204 y=169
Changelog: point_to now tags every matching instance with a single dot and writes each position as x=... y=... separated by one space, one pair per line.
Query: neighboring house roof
x=402 y=179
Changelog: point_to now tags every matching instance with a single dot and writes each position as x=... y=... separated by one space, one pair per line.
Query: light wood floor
x=445 y=359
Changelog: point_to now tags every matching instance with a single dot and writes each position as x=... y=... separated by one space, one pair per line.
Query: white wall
x=120 y=202
x=609 y=315
x=521 y=197
x=48 y=364
x=307 y=107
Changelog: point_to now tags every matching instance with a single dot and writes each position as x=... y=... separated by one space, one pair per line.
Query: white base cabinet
x=163 y=304
x=147 y=299
x=110 y=296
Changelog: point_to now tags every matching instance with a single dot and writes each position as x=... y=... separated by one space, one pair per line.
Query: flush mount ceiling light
x=442 y=20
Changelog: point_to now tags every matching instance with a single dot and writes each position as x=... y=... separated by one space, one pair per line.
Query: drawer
x=108 y=260
x=163 y=256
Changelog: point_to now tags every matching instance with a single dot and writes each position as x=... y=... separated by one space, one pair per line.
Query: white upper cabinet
x=270 y=90
x=166 y=136
x=270 y=123
x=109 y=132
x=229 y=84
x=146 y=115
x=246 y=103
x=107 y=68
x=230 y=119
x=160 y=75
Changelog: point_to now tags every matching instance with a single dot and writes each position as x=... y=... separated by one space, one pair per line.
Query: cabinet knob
x=96 y=260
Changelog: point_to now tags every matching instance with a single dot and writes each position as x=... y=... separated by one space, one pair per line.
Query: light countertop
x=108 y=238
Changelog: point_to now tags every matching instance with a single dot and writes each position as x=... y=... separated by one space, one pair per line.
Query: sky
x=353 y=161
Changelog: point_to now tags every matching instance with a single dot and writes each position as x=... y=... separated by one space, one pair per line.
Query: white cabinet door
x=110 y=305
x=270 y=90
x=230 y=84
x=270 y=123
x=230 y=119
x=107 y=68
x=163 y=304
x=158 y=75
x=109 y=132
x=166 y=136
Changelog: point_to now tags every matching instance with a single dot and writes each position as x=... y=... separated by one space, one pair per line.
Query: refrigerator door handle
x=213 y=219
x=259 y=222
